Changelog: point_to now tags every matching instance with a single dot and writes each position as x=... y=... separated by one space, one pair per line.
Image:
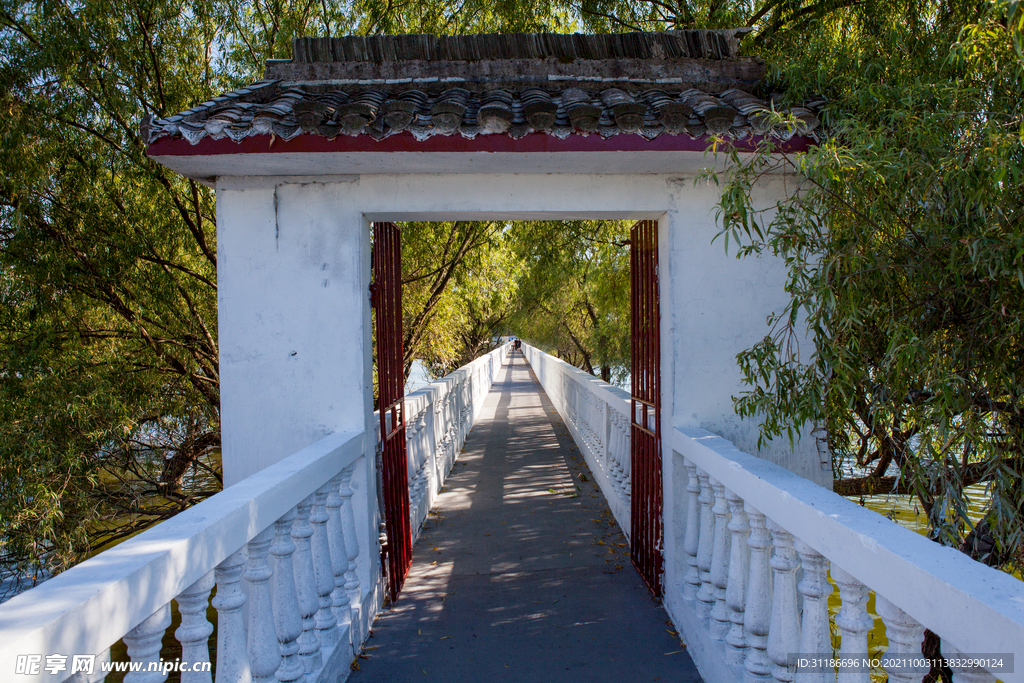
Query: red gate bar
x=646 y=526
x=396 y=553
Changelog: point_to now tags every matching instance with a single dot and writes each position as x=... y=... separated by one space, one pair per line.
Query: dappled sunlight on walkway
x=521 y=573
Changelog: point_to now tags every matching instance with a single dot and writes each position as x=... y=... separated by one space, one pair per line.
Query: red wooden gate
x=396 y=553
x=646 y=528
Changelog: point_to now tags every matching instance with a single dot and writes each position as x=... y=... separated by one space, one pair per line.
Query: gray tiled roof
x=369 y=86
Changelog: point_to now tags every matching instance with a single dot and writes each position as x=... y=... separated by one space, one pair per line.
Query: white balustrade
x=143 y=643
x=692 y=577
x=721 y=621
x=286 y=606
x=906 y=637
x=341 y=603
x=305 y=587
x=784 y=631
x=744 y=530
x=195 y=629
x=326 y=622
x=815 y=631
x=758 y=610
x=736 y=601
x=812 y=532
x=854 y=625
x=597 y=415
x=264 y=656
x=297 y=584
x=232 y=651
x=739 y=572
x=705 y=549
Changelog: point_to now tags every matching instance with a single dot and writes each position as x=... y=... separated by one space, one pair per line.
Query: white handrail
x=978 y=608
x=439 y=417
x=92 y=605
x=597 y=414
x=742 y=531
x=299 y=510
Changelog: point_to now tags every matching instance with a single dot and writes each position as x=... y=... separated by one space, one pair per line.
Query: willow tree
x=905 y=245
x=109 y=387
x=574 y=296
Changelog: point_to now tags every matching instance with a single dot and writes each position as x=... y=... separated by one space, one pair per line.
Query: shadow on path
x=521 y=572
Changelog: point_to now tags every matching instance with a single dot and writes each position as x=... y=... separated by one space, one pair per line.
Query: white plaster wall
x=294 y=321
x=714 y=306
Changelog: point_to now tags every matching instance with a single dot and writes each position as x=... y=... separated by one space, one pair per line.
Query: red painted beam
x=405 y=142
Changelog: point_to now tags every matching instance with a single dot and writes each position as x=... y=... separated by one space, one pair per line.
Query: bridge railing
x=756 y=550
x=292 y=552
x=597 y=414
x=440 y=416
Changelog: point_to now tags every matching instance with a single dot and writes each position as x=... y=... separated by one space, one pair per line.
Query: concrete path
x=521 y=573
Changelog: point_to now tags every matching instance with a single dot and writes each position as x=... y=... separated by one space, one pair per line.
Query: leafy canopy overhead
x=905 y=246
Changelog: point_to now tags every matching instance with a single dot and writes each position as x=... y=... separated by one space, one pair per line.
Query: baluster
x=326 y=622
x=305 y=587
x=692 y=577
x=264 y=655
x=339 y=554
x=348 y=527
x=739 y=571
x=784 y=632
x=606 y=411
x=232 y=656
x=286 y=604
x=758 y=612
x=905 y=638
x=965 y=674
x=705 y=543
x=720 y=618
x=854 y=624
x=815 y=632
x=144 y=642
x=194 y=631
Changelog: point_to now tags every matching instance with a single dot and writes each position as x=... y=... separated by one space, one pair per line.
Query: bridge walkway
x=521 y=573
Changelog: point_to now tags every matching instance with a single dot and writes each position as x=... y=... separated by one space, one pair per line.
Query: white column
x=144 y=643
x=720 y=618
x=339 y=554
x=739 y=572
x=854 y=625
x=705 y=541
x=326 y=622
x=232 y=655
x=264 y=655
x=286 y=604
x=784 y=633
x=305 y=588
x=758 y=613
x=692 y=576
x=195 y=630
x=348 y=527
x=905 y=637
x=815 y=632
x=293 y=262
